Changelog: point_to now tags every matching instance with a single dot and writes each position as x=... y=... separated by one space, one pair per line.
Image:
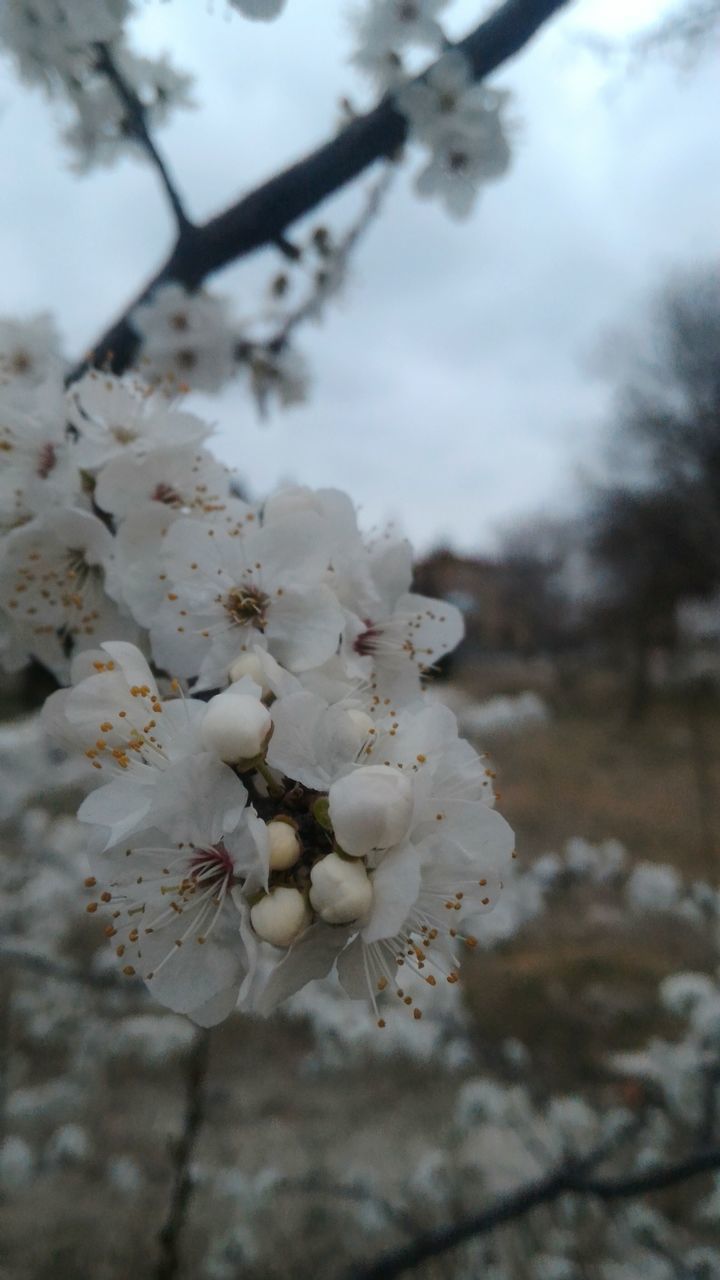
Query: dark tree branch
x=137 y=123
x=168 y=1265
x=510 y=1208
x=354 y=1192
x=263 y=217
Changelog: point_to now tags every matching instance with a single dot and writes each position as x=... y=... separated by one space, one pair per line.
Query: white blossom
x=462 y=163
x=174 y=918
x=37 y=467
x=29 y=352
x=187 y=339
x=400 y=634
x=116 y=416
x=262 y=585
x=281 y=376
x=52 y=584
x=390 y=25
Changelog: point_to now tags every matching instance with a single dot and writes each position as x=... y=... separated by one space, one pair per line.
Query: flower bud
x=248 y=664
x=371 y=809
x=283 y=844
x=236 y=726
x=280 y=916
x=340 y=890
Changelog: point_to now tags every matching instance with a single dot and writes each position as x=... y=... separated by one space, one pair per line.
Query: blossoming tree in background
x=272 y=793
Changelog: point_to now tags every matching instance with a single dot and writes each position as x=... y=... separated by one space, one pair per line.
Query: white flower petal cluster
x=51 y=38
x=339 y=833
x=311 y=798
x=385 y=29
x=55 y=45
x=29 y=354
x=461 y=124
x=187 y=338
x=91 y=480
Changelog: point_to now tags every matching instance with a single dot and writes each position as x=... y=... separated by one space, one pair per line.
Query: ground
x=573 y=985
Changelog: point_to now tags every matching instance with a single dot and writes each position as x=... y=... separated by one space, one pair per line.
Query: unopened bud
x=371 y=809
x=280 y=916
x=340 y=890
x=283 y=844
x=248 y=664
x=236 y=727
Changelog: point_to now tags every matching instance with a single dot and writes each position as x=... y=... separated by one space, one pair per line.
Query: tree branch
x=138 y=127
x=168 y=1265
x=510 y=1208
x=263 y=216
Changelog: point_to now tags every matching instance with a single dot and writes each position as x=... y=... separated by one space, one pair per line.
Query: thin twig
x=263 y=216
x=169 y=1237
x=311 y=307
x=137 y=122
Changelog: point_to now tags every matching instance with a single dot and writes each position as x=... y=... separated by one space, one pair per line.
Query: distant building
x=497 y=616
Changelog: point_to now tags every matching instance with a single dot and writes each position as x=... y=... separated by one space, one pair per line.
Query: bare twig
x=263 y=216
x=311 y=307
x=136 y=117
x=510 y=1208
x=169 y=1237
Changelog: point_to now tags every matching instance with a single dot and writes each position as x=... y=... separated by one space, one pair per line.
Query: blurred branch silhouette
x=169 y=1261
x=568 y=1179
x=136 y=123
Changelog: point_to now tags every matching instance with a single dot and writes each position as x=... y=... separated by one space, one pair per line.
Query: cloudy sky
x=455 y=383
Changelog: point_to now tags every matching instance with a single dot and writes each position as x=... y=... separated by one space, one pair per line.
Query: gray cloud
x=452 y=382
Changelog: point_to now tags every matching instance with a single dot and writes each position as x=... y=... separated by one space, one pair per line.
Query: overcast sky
x=455 y=383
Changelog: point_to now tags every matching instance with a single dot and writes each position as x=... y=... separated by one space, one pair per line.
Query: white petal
x=312 y=956
x=396 y=885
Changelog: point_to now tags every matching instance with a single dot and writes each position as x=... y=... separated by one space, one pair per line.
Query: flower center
x=124 y=435
x=167 y=495
x=47 y=459
x=209 y=868
x=366 y=643
x=247 y=606
x=458 y=161
x=20 y=363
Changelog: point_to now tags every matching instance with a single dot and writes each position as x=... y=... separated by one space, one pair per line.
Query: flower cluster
x=461 y=125
x=59 y=45
x=275 y=794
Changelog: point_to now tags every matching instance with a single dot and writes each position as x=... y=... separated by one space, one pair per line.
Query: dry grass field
x=582 y=979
